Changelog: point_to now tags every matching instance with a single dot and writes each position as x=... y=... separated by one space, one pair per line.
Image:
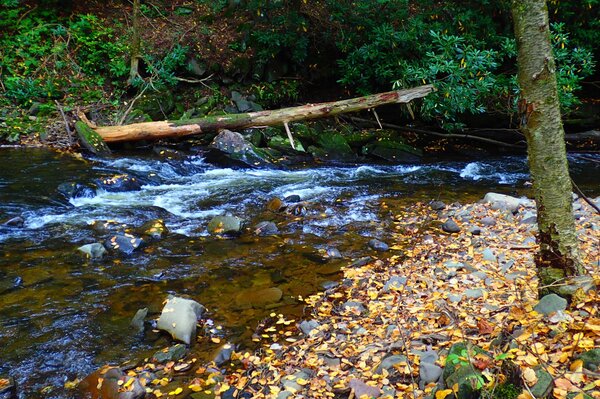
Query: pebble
x=474 y=293
x=450 y=226
x=378 y=245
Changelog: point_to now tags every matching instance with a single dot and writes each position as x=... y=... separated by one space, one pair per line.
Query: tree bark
x=166 y=129
x=135 y=43
x=558 y=256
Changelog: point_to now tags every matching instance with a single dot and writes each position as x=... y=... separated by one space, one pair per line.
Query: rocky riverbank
x=455 y=313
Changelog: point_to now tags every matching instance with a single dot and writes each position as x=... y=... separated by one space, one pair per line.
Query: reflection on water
x=62 y=316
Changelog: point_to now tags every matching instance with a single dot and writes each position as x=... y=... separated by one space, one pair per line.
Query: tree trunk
x=166 y=129
x=558 y=256
x=135 y=43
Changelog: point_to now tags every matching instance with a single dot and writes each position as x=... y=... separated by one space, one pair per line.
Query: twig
x=585 y=198
x=128 y=110
x=25 y=14
x=289 y=134
x=377 y=117
x=62 y=113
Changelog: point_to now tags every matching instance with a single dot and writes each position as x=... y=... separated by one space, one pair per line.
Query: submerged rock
x=258 y=298
x=155 y=229
x=171 y=354
x=8 y=388
x=179 y=317
x=378 y=245
x=224 y=354
x=225 y=225
x=106 y=383
x=76 y=190
x=124 y=243
x=137 y=323
x=17 y=221
x=264 y=229
x=119 y=183
x=95 y=251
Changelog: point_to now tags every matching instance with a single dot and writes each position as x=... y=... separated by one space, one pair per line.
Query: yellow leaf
x=442 y=394
x=215 y=340
x=577 y=365
x=529 y=376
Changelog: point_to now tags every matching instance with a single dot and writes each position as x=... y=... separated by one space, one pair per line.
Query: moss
x=502 y=391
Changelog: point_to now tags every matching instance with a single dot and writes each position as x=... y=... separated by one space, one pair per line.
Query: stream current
x=62 y=316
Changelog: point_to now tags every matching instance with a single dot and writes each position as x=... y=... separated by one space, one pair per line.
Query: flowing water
x=62 y=316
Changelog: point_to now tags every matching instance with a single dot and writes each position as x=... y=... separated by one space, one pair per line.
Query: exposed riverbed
x=62 y=316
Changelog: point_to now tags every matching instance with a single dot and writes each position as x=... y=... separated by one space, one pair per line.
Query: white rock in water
x=179 y=317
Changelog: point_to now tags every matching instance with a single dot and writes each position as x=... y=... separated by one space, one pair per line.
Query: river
x=62 y=316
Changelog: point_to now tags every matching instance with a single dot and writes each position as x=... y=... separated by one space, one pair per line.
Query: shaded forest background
x=278 y=53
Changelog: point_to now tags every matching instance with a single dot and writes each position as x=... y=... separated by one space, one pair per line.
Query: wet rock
x=17 y=221
x=290 y=382
x=137 y=322
x=179 y=317
x=307 y=326
x=124 y=243
x=550 y=303
x=155 y=229
x=171 y=354
x=544 y=384
x=450 y=226
x=224 y=354
x=95 y=251
x=234 y=146
x=393 y=151
x=333 y=253
x=361 y=261
x=76 y=190
x=259 y=298
x=265 y=228
x=503 y=202
x=8 y=388
x=378 y=245
x=90 y=139
x=225 y=225
x=327 y=285
x=394 y=283
x=591 y=359
x=437 y=205
x=119 y=183
x=275 y=205
x=333 y=147
x=291 y=199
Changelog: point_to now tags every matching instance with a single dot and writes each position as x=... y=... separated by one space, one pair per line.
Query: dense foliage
x=465 y=48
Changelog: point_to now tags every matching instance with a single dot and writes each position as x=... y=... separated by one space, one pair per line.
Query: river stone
x=550 y=303
x=265 y=228
x=488 y=255
x=360 y=389
x=17 y=221
x=119 y=183
x=455 y=298
x=8 y=388
x=591 y=359
x=224 y=354
x=488 y=221
x=429 y=372
x=230 y=142
x=474 y=230
x=228 y=225
x=179 y=317
x=259 y=298
x=378 y=245
x=544 y=384
x=124 y=243
x=394 y=283
x=474 y=293
x=307 y=326
x=354 y=306
x=333 y=253
x=503 y=202
x=137 y=323
x=93 y=251
x=155 y=229
x=437 y=205
x=171 y=354
x=450 y=226
x=389 y=362
x=291 y=199
x=75 y=190
x=106 y=384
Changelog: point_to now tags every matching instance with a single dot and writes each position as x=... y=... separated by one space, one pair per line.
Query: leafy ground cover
x=448 y=307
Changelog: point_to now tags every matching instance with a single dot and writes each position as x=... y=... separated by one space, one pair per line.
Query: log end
x=91 y=140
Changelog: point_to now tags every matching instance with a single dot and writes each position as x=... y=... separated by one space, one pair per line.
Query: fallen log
x=166 y=129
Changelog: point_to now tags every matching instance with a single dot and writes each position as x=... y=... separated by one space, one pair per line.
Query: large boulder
x=95 y=251
x=76 y=190
x=124 y=243
x=179 y=317
x=505 y=202
x=234 y=146
x=119 y=183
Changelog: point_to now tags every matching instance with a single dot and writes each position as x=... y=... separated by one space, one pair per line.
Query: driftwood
x=166 y=129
